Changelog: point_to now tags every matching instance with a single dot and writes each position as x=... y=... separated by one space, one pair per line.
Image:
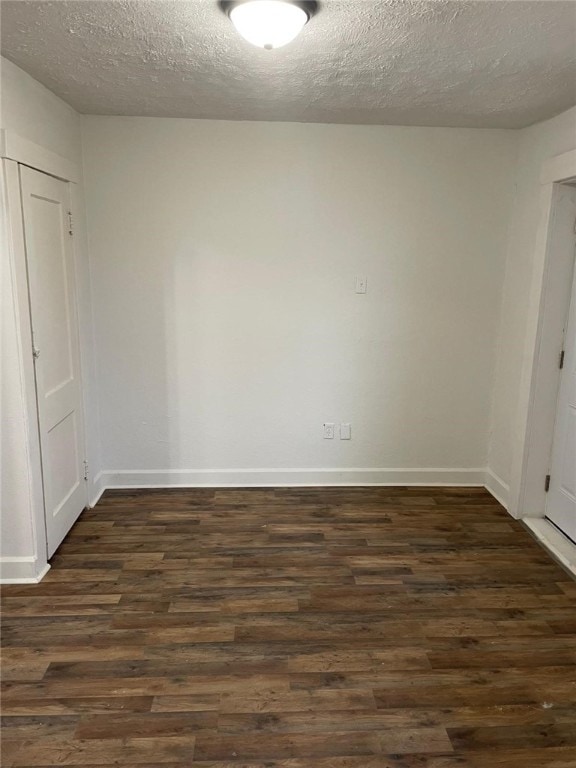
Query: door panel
x=63 y=450
x=51 y=280
x=561 y=500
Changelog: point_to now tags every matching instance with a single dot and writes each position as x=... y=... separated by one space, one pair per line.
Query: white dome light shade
x=268 y=23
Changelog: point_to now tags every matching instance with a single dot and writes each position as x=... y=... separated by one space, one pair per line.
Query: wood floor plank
x=154 y=751
x=75 y=706
x=293 y=628
x=272 y=746
x=147 y=726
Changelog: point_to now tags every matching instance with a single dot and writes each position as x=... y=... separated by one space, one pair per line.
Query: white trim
x=558 y=168
x=15 y=147
x=267 y=477
x=497 y=487
x=98 y=489
x=550 y=537
x=16 y=150
x=84 y=312
x=522 y=465
x=17 y=256
x=539 y=378
x=22 y=570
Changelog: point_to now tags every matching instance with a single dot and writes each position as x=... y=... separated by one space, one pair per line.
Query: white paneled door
x=51 y=280
x=561 y=500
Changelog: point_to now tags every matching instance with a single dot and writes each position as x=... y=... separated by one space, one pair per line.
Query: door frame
x=540 y=376
x=15 y=151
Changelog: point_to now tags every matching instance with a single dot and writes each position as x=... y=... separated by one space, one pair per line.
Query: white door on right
x=561 y=499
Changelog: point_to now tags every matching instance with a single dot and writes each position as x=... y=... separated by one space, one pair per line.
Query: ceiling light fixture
x=269 y=23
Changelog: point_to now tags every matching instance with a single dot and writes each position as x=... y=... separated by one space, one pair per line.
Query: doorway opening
x=561 y=478
x=543 y=487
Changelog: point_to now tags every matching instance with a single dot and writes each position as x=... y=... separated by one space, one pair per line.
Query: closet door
x=561 y=500
x=51 y=281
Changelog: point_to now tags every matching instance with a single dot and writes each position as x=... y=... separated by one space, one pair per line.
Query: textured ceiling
x=499 y=63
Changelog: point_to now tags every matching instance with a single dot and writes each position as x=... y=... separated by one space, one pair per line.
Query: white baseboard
x=259 y=478
x=22 y=570
x=497 y=487
x=26 y=570
x=98 y=489
x=558 y=545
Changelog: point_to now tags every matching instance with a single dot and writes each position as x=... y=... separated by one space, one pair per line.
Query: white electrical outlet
x=345 y=431
x=329 y=431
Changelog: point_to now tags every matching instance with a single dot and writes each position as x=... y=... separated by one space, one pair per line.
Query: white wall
x=31 y=111
x=228 y=330
x=536 y=144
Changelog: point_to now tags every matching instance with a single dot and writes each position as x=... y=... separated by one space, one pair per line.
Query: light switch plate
x=329 y=431
x=361 y=284
x=345 y=431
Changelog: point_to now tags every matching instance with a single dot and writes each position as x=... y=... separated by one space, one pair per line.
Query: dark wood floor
x=301 y=628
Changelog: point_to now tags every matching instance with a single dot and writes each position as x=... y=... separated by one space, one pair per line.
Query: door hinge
x=85 y=470
x=547 y=483
x=70 y=227
x=561 y=361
